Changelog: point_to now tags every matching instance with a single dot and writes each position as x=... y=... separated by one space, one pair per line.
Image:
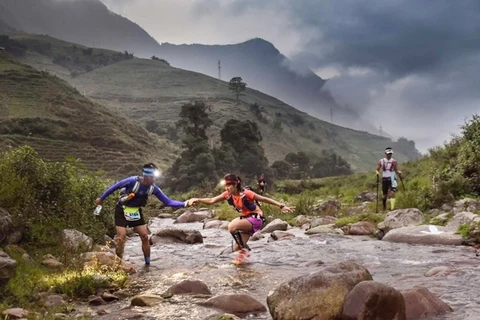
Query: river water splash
x=401 y=266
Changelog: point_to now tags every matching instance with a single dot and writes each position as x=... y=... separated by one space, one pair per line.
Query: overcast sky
x=411 y=66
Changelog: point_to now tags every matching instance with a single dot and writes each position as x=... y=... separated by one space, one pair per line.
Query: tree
x=194 y=120
x=281 y=169
x=257 y=111
x=240 y=134
x=196 y=165
x=237 y=86
x=243 y=139
x=329 y=165
x=299 y=161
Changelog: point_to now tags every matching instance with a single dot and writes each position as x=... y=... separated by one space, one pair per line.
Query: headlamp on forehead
x=151 y=172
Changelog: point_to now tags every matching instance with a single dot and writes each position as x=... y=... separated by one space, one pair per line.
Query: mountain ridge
x=91 y=23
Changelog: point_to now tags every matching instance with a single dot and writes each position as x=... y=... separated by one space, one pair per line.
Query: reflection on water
x=399 y=265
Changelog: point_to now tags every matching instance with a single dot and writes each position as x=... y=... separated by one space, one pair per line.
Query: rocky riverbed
x=450 y=272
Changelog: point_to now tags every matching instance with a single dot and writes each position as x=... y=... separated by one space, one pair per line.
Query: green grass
x=371 y=217
x=464 y=230
x=32 y=278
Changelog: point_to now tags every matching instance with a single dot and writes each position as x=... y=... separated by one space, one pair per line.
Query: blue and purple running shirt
x=141 y=194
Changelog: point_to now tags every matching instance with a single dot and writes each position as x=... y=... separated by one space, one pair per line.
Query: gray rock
x=417 y=235
x=277 y=224
x=74 y=240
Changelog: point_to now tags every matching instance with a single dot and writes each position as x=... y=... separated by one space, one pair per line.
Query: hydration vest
x=136 y=187
x=247 y=203
x=392 y=167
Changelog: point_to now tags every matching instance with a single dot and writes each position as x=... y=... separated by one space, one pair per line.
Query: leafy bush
x=45 y=198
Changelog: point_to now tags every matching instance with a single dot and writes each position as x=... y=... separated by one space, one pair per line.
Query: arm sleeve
x=166 y=200
x=116 y=186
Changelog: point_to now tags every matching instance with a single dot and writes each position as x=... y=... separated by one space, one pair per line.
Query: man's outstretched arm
x=166 y=200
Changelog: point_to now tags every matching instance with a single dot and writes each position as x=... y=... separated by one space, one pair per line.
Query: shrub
x=45 y=198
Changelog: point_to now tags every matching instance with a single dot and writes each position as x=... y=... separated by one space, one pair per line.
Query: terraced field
x=43 y=111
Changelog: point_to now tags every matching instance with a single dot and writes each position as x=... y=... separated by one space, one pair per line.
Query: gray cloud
x=410 y=66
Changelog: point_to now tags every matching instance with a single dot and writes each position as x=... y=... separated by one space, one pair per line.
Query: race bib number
x=131 y=213
x=262 y=183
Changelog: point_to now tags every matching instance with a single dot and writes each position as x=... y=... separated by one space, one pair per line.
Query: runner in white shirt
x=389 y=183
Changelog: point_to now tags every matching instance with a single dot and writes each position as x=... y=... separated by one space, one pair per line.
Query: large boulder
x=190 y=216
x=189 y=287
x=74 y=240
x=301 y=220
x=146 y=300
x=215 y=224
x=317 y=295
x=401 y=218
x=173 y=235
x=362 y=228
x=328 y=228
x=460 y=218
x=422 y=235
x=235 y=303
x=321 y=221
x=7 y=268
x=15 y=313
x=277 y=224
x=330 y=207
x=366 y=196
x=421 y=303
x=6 y=226
x=466 y=204
x=373 y=300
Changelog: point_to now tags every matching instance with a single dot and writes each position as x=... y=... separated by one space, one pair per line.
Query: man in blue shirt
x=128 y=211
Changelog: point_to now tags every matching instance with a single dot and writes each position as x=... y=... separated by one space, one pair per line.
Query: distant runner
x=251 y=219
x=128 y=211
x=261 y=184
x=389 y=182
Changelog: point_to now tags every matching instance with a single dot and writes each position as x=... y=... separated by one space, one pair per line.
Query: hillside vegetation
x=43 y=111
x=151 y=91
x=148 y=90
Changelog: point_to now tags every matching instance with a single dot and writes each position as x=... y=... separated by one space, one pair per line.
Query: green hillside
x=146 y=90
x=43 y=111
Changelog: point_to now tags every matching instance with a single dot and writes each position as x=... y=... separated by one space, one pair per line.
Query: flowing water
x=401 y=266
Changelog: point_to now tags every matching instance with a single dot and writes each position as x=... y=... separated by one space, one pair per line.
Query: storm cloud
x=409 y=66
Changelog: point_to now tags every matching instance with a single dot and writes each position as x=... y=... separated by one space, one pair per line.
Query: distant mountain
x=5 y=28
x=264 y=68
x=87 y=22
x=258 y=62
